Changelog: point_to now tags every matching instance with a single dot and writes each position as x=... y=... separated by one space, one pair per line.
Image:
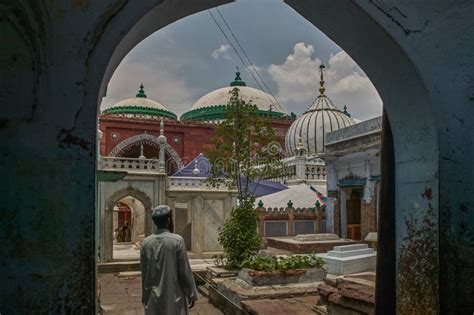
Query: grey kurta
x=167 y=280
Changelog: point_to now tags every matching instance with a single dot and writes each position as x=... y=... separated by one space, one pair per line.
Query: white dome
x=264 y=101
x=140 y=101
x=322 y=117
x=211 y=106
x=140 y=105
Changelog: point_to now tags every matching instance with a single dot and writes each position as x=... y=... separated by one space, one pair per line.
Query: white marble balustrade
x=131 y=165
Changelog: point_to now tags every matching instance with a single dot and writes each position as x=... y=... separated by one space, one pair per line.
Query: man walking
x=168 y=286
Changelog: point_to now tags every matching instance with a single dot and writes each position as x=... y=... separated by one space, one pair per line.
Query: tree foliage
x=244 y=151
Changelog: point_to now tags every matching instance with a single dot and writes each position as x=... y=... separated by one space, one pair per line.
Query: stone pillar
x=368 y=216
x=332 y=225
x=290 y=211
x=198 y=225
x=108 y=234
x=337 y=216
x=331 y=177
x=318 y=219
x=343 y=212
x=261 y=221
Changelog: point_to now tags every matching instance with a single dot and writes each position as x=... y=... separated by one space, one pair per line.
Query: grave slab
x=343 y=260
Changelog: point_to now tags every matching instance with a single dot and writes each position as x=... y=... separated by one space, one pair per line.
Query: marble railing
x=132 y=165
x=187 y=182
x=311 y=171
x=315 y=171
x=183 y=182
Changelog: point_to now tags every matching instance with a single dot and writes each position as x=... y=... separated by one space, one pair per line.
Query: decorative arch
x=147 y=137
x=129 y=191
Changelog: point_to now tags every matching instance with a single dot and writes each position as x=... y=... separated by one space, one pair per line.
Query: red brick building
x=130 y=127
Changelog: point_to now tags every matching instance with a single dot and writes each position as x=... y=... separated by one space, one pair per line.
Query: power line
x=240 y=57
x=246 y=56
x=232 y=45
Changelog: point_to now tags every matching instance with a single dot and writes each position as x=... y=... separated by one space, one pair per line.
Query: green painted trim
x=218 y=112
x=110 y=176
x=140 y=110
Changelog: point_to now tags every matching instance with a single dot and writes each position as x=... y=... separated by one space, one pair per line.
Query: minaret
x=196 y=170
x=162 y=144
x=142 y=156
x=300 y=160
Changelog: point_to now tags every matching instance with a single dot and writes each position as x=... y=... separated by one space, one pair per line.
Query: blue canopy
x=266 y=187
x=201 y=162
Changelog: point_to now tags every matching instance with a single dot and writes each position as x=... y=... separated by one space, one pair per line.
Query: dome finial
x=321 y=79
x=142 y=156
x=237 y=81
x=196 y=170
x=141 y=92
x=346 y=112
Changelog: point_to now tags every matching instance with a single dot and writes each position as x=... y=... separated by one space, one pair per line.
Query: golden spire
x=321 y=82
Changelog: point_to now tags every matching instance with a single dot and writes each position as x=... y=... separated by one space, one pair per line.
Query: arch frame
x=146 y=137
x=85 y=57
x=112 y=192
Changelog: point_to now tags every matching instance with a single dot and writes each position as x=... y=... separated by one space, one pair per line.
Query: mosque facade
x=164 y=161
x=130 y=125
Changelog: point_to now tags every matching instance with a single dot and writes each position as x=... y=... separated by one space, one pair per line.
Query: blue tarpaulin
x=264 y=187
x=202 y=164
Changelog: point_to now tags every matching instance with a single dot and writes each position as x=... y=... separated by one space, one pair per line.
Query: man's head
x=162 y=217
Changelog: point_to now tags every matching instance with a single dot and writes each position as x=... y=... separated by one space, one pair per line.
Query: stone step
x=346 y=248
x=365 y=251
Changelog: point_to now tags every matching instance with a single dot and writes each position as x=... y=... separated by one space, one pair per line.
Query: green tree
x=244 y=151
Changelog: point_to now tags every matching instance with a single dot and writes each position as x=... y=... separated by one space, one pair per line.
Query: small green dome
x=237 y=81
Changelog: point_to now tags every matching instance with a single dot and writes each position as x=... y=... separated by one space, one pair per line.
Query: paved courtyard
x=121 y=295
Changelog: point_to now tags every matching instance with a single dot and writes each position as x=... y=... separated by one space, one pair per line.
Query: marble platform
x=309 y=243
x=348 y=259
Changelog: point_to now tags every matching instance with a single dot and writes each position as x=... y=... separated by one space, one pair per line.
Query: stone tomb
x=307 y=243
x=317 y=237
x=343 y=260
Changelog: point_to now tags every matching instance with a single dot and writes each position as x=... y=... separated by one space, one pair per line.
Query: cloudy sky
x=191 y=57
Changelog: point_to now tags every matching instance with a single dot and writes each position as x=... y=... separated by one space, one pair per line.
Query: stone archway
x=146 y=137
x=414 y=127
x=416 y=56
x=106 y=249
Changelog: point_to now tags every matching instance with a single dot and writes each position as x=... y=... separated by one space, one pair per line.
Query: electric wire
x=247 y=57
x=240 y=57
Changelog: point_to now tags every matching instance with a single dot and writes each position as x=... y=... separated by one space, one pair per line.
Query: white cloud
x=222 y=52
x=161 y=80
x=297 y=81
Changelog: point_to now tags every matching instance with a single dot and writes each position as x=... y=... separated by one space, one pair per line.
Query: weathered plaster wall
x=207 y=211
x=54 y=65
x=61 y=55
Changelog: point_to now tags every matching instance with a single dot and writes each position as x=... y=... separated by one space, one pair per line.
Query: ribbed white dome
x=322 y=117
x=264 y=101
